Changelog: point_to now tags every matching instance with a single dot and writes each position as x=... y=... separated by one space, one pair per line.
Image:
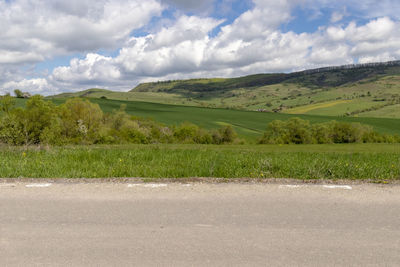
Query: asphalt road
x=198 y=225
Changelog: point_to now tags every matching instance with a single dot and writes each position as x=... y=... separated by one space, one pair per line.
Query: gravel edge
x=200 y=180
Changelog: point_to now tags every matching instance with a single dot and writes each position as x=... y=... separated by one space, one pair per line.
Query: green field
x=386 y=112
x=376 y=162
x=248 y=124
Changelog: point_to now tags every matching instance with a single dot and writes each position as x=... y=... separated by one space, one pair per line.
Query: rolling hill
x=368 y=90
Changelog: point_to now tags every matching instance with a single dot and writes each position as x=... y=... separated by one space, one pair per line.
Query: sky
x=53 y=46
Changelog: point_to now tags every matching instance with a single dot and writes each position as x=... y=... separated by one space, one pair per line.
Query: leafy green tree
x=186 y=132
x=344 y=132
x=203 y=137
x=322 y=133
x=26 y=126
x=80 y=119
x=7 y=103
x=18 y=93
x=38 y=116
x=298 y=131
x=228 y=134
x=10 y=129
x=276 y=133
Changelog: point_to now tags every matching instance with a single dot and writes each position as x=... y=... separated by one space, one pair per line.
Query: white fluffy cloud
x=378 y=39
x=94 y=68
x=35 y=30
x=253 y=43
x=34 y=86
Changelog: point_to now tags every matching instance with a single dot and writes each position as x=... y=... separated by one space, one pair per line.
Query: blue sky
x=72 y=45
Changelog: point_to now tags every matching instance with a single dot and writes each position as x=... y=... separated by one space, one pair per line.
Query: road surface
x=108 y=224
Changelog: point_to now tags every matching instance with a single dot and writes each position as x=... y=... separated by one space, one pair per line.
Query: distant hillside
x=85 y=93
x=367 y=90
x=315 y=78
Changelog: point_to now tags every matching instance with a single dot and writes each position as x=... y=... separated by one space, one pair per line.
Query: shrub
x=7 y=103
x=18 y=93
x=79 y=121
x=80 y=118
x=228 y=134
x=298 y=131
x=186 y=132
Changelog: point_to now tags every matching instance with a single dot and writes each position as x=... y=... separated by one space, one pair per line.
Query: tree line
x=298 y=131
x=79 y=121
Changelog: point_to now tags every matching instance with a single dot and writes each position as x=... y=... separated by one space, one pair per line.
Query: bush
x=228 y=135
x=18 y=93
x=79 y=121
x=7 y=103
x=30 y=125
x=298 y=131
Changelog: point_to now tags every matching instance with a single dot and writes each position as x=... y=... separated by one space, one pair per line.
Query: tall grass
x=179 y=161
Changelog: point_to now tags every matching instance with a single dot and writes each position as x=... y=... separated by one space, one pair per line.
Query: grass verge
x=377 y=162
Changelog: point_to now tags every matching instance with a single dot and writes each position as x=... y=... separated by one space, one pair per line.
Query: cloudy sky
x=53 y=46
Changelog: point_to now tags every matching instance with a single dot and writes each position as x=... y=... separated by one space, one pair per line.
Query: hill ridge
x=353 y=66
x=367 y=90
x=309 y=78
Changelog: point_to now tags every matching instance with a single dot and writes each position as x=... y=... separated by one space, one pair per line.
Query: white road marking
x=291 y=186
x=147 y=185
x=346 y=187
x=8 y=185
x=38 y=185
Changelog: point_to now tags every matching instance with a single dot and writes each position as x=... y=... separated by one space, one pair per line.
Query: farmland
x=248 y=124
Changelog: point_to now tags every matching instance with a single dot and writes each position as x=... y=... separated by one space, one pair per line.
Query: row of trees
x=79 y=121
x=298 y=131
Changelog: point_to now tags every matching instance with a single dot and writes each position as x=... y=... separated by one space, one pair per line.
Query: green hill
x=313 y=79
x=94 y=92
x=369 y=90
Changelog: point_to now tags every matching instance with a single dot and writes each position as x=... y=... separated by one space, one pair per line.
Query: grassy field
x=248 y=124
x=386 y=112
x=377 y=162
x=317 y=107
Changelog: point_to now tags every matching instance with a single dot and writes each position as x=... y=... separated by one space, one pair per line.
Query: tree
x=38 y=116
x=228 y=134
x=276 y=133
x=18 y=93
x=26 y=126
x=7 y=103
x=80 y=118
x=299 y=131
x=186 y=132
x=322 y=133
